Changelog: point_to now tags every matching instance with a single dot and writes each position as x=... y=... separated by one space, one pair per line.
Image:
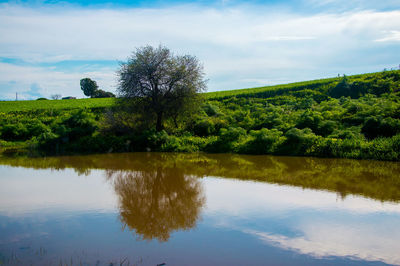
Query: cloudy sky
x=46 y=47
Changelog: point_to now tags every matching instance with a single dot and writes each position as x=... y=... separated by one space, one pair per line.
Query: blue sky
x=46 y=47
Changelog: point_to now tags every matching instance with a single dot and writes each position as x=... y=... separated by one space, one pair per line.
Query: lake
x=198 y=209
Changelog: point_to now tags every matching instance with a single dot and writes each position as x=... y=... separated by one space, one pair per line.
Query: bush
x=14 y=132
x=227 y=141
x=262 y=141
x=211 y=109
x=378 y=126
x=325 y=128
x=298 y=142
x=80 y=123
x=204 y=127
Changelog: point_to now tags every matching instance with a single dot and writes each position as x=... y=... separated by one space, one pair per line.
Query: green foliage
x=211 y=109
x=264 y=141
x=343 y=88
x=88 y=86
x=228 y=140
x=298 y=120
x=165 y=85
x=203 y=127
x=103 y=94
x=77 y=125
x=376 y=83
x=378 y=126
x=299 y=142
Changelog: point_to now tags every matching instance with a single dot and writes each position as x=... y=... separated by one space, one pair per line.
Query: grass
x=264 y=91
x=15 y=106
x=261 y=92
x=268 y=91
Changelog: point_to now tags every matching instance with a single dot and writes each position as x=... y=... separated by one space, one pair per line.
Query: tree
x=89 y=87
x=56 y=96
x=164 y=84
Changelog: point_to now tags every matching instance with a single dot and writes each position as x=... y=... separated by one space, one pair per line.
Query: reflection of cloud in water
x=24 y=192
x=324 y=240
x=316 y=223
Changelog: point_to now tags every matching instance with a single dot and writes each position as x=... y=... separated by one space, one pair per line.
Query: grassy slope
x=12 y=106
x=261 y=92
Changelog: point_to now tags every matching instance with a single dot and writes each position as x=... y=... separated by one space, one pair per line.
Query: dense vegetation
x=351 y=117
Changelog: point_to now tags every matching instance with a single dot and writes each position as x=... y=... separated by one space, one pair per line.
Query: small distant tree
x=162 y=84
x=88 y=86
x=56 y=96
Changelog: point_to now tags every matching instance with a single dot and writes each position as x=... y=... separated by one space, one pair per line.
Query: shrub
x=298 y=142
x=227 y=141
x=204 y=127
x=16 y=131
x=262 y=141
x=378 y=126
x=211 y=109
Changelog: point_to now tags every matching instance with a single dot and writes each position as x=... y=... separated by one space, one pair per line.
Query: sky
x=46 y=47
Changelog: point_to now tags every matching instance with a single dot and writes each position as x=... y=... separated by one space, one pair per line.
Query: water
x=197 y=209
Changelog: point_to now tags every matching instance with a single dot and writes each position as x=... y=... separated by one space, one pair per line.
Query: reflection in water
x=243 y=223
x=374 y=179
x=307 y=221
x=156 y=202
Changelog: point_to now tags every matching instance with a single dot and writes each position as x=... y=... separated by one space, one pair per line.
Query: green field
x=319 y=85
x=268 y=91
x=16 y=106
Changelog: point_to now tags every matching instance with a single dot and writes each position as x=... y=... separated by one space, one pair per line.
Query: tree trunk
x=159 y=125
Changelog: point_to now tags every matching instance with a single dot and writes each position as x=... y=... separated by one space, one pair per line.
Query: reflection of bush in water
x=156 y=203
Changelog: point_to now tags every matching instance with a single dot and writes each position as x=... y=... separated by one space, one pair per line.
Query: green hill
x=369 y=82
x=350 y=117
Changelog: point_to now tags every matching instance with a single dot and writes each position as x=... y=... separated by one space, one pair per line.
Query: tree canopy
x=162 y=83
x=88 y=86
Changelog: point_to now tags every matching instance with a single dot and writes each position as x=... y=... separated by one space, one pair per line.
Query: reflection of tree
x=156 y=202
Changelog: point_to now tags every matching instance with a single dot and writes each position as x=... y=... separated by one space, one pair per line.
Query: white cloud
x=236 y=44
x=365 y=242
x=53 y=192
x=47 y=81
x=390 y=36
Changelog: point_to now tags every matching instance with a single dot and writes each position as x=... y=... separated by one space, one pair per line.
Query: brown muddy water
x=198 y=209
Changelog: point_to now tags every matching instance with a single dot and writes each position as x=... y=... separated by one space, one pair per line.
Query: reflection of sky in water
x=248 y=223
x=307 y=221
